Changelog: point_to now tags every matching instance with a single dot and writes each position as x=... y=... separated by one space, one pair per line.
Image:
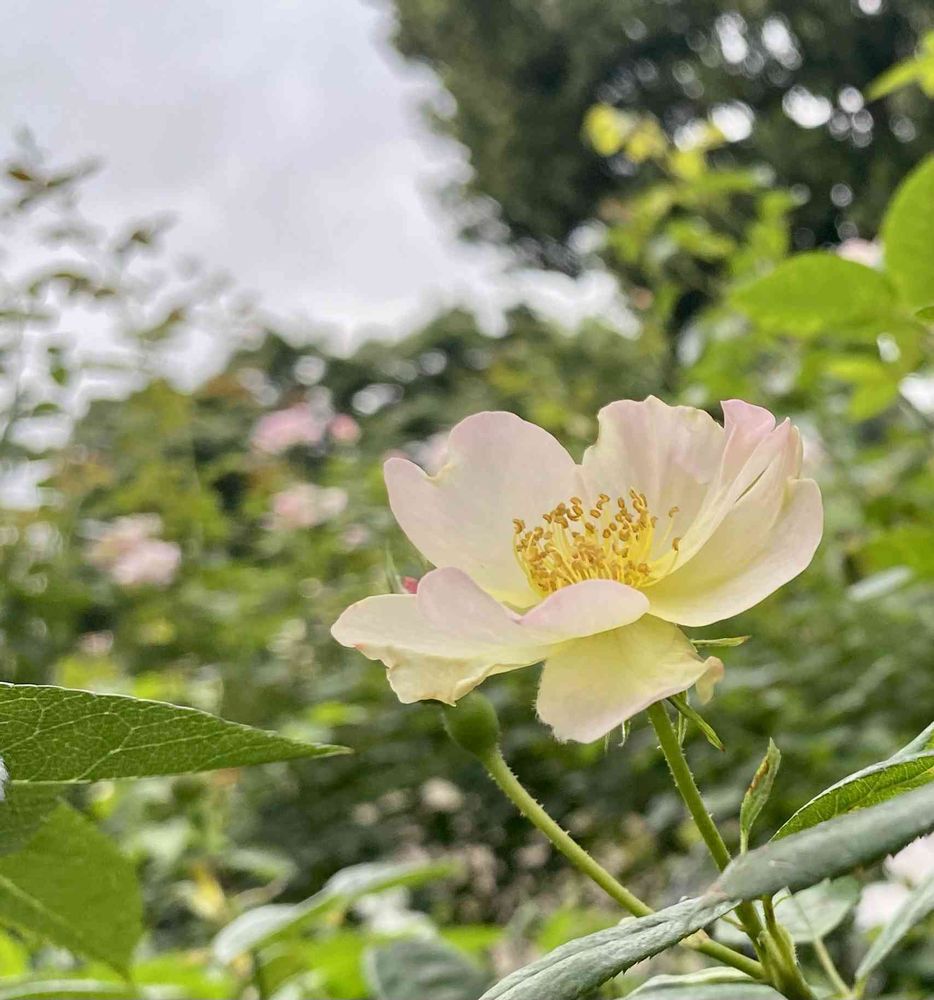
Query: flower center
x=609 y=540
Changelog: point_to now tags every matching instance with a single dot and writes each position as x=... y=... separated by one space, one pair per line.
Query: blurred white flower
x=861 y=252
x=914 y=863
x=344 y=429
x=127 y=551
x=441 y=796
x=879 y=902
x=276 y=432
x=356 y=536
x=306 y=505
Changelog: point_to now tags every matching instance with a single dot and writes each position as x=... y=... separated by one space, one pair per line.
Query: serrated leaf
x=816 y=292
x=60 y=735
x=71 y=886
x=814 y=913
x=574 y=969
x=912 y=767
x=406 y=969
x=906 y=235
x=262 y=925
x=712 y=984
x=832 y=848
x=760 y=788
x=797 y=862
x=918 y=906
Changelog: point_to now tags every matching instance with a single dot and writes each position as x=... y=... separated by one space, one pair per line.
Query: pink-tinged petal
x=670 y=453
x=499 y=467
x=753 y=552
x=425 y=661
x=753 y=446
x=451 y=635
x=585 y=608
x=450 y=600
x=590 y=686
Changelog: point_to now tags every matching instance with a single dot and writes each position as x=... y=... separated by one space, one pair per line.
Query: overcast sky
x=284 y=134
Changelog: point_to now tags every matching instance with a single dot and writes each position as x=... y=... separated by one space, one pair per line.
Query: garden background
x=767 y=219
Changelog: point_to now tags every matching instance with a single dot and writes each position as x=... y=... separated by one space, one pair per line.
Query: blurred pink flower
x=127 y=551
x=861 y=252
x=344 y=429
x=275 y=432
x=305 y=505
x=431 y=453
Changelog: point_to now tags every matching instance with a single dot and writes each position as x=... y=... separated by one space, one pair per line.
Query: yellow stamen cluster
x=606 y=540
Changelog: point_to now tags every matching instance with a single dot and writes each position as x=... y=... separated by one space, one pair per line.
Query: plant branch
x=510 y=785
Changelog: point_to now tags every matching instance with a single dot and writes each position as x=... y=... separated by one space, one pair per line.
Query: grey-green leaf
x=407 y=969
x=712 y=984
x=829 y=849
x=815 y=292
x=576 y=968
x=58 y=735
x=260 y=926
x=906 y=236
x=916 y=908
x=760 y=788
x=911 y=767
x=816 y=912
x=70 y=885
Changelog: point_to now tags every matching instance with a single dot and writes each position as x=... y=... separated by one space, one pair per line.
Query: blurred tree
x=522 y=76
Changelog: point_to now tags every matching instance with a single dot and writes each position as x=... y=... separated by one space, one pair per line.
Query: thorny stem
x=510 y=785
x=777 y=956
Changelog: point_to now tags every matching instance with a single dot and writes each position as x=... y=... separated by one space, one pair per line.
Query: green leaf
x=257 y=928
x=815 y=292
x=24 y=809
x=580 y=966
x=726 y=642
x=690 y=714
x=829 y=849
x=916 y=908
x=70 y=885
x=760 y=788
x=712 y=984
x=907 y=237
x=911 y=767
x=813 y=913
x=69 y=989
x=926 y=315
x=407 y=969
x=56 y=734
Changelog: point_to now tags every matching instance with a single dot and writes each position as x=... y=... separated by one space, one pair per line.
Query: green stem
x=687 y=788
x=831 y=971
x=510 y=785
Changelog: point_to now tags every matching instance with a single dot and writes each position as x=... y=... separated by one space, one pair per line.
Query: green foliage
x=260 y=927
x=916 y=908
x=831 y=848
x=712 y=985
x=912 y=767
x=909 y=256
x=522 y=77
x=582 y=965
x=758 y=792
x=52 y=734
x=70 y=885
x=816 y=912
x=405 y=969
x=918 y=69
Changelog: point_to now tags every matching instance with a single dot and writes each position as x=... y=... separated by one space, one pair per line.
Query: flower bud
x=473 y=725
